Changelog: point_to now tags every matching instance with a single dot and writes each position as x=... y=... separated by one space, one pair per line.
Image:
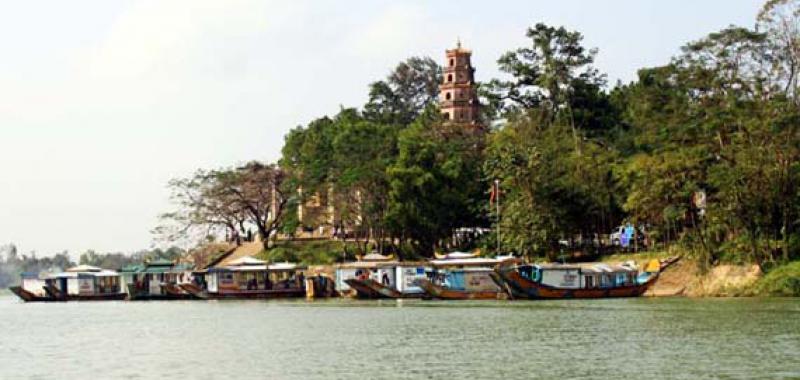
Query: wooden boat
x=463 y=279
x=28 y=296
x=81 y=283
x=157 y=280
x=248 y=278
x=445 y=293
x=31 y=288
x=592 y=280
x=369 y=288
x=385 y=279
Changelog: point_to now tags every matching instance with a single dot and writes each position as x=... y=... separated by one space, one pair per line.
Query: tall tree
x=407 y=91
x=436 y=184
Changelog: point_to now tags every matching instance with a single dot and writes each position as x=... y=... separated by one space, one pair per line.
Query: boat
x=157 y=280
x=463 y=279
x=80 y=283
x=587 y=280
x=248 y=277
x=31 y=288
x=377 y=277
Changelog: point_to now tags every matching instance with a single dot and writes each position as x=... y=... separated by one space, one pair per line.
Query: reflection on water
x=620 y=338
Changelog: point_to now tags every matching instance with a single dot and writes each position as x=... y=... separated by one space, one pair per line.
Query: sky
x=103 y=102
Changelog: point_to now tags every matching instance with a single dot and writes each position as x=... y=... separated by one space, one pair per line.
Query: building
x=458 y=97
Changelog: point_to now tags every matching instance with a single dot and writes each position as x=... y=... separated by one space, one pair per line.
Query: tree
x=435 y=184
x=407 y=91
x=551 y=72
x=230 y=200
x=780 y=21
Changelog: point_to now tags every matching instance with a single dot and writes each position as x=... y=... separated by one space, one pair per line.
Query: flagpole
x=497 y=199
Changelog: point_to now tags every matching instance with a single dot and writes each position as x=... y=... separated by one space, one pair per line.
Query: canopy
x=376 y=257
x=246 y=260
x=159 y=263
x=474 y=261
x=456 y=255
x=84 y=268
x=285 y=266
x=105 y=273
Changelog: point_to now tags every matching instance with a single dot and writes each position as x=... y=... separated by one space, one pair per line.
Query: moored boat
x=375 y=277
x=463 y=279
x=157 y=280
x=84 y=283
x=31 y=289
x=248 y=277
x=589 y=280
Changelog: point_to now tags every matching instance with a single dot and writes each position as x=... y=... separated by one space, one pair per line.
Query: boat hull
x=372 y=289
x=440 y=292
x=522 y=287
x=169 y=292
x=28 y=296
x=200 y=293
x=56 y=295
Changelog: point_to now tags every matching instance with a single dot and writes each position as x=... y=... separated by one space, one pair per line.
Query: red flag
x=495 y=192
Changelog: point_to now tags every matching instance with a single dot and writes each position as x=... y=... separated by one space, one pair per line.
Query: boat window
x=588 y=281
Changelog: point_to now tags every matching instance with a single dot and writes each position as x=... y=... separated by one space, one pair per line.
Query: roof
x=376 y=257
x=285 y=266
x=84 y=268
x=76 y=274
x=246 y=260
x=159 y=263
x=475 y=261
x=132 y=268
x=456 y=255
x=589 y=267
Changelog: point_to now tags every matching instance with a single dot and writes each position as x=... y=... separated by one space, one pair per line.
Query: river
x=644 y=338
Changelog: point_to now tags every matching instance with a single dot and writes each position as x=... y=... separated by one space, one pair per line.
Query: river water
x=644 y=338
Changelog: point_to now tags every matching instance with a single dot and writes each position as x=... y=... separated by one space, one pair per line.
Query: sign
x=85 y=285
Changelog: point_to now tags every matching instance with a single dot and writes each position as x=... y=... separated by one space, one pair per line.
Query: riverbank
x=685 y=278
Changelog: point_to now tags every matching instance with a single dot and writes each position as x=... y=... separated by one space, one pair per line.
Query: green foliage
x=573 y=158
x=411 y=87
x=435 y=183
x=311 y=252
x=783 y=280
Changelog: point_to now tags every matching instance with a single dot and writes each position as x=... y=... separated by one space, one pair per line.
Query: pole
x=497 y=196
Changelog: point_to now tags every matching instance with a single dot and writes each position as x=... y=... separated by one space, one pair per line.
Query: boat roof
x=474 y=261
x=456 y=255
x=84 y=268
x=246 y=260
x=285 y=266
x=159 y=263
x=376 y=257
x=588 y=267
x=277 y=267
x=132 y=268
x=75 y=274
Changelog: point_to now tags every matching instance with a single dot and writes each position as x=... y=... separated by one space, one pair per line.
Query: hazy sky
x=102 y=102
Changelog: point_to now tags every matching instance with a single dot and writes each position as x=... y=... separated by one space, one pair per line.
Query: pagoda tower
x=458 y=98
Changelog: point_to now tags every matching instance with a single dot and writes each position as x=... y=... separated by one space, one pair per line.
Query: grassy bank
x=783 y=280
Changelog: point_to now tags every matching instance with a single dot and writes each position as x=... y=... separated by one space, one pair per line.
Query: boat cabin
x=251 y=274
x=400 y=276
x=581 y=276
x=85 y=280
x=471 y=274
x=148 y=279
